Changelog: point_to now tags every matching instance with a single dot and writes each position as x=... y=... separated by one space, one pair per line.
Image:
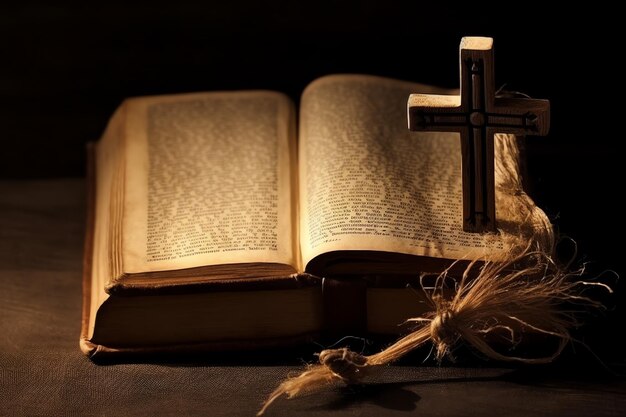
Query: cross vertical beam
x=477 y=115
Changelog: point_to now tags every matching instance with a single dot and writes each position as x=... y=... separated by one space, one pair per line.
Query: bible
x=221 y=220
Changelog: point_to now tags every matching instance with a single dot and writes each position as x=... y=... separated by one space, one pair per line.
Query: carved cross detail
x=477 y=114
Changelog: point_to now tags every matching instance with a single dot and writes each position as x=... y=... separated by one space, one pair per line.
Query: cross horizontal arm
x=435 y=112
x=521 y=116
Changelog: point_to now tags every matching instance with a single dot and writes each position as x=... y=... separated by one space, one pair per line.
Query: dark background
x=65 y=68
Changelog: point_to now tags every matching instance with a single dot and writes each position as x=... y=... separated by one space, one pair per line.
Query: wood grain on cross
x=477 y=114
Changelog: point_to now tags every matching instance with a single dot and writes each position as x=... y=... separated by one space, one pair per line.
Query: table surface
x=43 y=372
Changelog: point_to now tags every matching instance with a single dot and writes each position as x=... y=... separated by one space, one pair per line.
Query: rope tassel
x=503 y=299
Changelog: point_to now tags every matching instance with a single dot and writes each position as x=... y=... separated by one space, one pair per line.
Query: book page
x=209 y=181
x=368 y=183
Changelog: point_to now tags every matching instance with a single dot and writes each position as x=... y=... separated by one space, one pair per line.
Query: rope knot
x=443 y=330
x=347 y=365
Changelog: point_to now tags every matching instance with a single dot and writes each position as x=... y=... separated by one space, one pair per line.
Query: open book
x=217 y=223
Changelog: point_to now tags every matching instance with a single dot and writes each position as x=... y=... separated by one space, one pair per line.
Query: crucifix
x=477 y=114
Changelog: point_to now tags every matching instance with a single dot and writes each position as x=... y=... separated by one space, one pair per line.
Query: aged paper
x=368 y=183
x=208 y=181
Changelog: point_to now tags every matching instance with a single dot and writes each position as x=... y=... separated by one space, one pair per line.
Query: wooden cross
x=477 y=114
